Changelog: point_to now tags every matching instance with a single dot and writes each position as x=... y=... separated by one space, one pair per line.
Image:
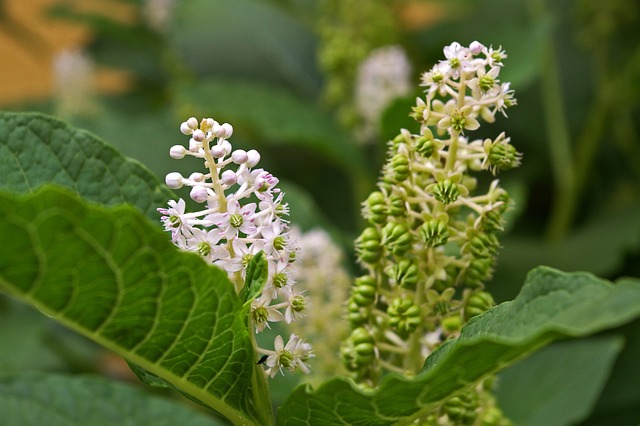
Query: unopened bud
x=174 y=180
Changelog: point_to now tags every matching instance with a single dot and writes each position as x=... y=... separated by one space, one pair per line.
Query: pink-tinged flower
x=174 y=220
x=236 y=219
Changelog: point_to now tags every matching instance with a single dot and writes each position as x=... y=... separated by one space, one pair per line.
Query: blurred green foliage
x=264 y=66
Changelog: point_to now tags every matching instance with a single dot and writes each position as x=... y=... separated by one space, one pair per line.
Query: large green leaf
x=36 y=149
x=275 y=115
x=113 y=277
x=559 y=385
x=59 y=400
x=552 y=305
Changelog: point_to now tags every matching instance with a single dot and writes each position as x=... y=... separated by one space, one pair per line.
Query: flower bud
x=359 y=349
x=399 y=168
x=177 y=152
x=196 y=177
x=253 y=158
x=199 y=194
x=462 y=409
x=478 y=303
x=229 y=177
x=397 y=238
x=356 y=314
x=396 y=206
x=239 y=156
x=368 y=245
x=425 y=146
x=434 y=233
x=404 y=315
x=376 y=208
x=198 y=135
x=452 y=324
x=364 y=291
x=501 y=155
x=218 y=151
x=483 y=245
x=206 y=124
x=405 y=273
x=476 y=47
x=174 y=180
x=478 y=272
x=446 y=191
x=189 y=126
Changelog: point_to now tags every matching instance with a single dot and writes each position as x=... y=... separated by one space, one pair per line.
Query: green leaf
x=110 y=275
x=276 y=116
x=58 y=400
x=558 y=385
x=552 y=305
x=255 y=279
x=36 y=149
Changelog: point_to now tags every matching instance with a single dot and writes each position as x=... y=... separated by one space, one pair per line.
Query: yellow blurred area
x=30 y=40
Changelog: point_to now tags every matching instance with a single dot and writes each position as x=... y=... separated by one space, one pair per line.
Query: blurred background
x=319 y=86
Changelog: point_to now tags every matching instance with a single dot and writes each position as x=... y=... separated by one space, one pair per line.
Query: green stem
x=260 y=391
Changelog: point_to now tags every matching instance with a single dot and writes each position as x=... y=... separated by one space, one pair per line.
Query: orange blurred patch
x=29 y=40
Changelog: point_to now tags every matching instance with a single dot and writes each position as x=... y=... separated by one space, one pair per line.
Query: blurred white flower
x=382 y=77
x=73 y=82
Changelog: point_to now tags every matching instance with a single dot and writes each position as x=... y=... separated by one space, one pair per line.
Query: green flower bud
x=280 y=279
x=397 y=238
x=417 y=112
x=484 y=245
x=405 y=273
x=486 y=83
x=368 y=245
x=396 y=206
x=478 y=272
x=425 y=146
x=502 y=156
x=376 y=210
x=462 y=409
x=364 y=292
x=404 y=315
x=235 y=220
x=203 y=248
x=492 y=221
x=279 y=242
x=452 y=324
x=478 y=303
x=446 y=191
x=356 y=314
x=359 y=349
x=434 y=233
x=399 y=168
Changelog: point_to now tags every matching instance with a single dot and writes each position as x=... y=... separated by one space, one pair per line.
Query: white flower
x=293 y=355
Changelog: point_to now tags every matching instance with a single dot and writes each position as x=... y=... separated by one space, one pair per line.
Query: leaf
x=275 y=115
x=256 y=277
x=36 y=149
x=552 y=305
x=110 y=275
x=558 y=385
x=54 y=399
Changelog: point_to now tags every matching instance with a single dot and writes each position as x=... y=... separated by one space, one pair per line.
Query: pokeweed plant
x=426 y=339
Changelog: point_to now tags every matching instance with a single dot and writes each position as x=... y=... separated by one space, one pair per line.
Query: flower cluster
x=242 y=214
x=382 y=77
x=322 y=273
x=431 y=238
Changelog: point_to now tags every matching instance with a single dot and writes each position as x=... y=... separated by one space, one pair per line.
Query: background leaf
x=58 y=400
x=552 y=305
x=36 y=149
x=558 y=385
x=113 y=277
